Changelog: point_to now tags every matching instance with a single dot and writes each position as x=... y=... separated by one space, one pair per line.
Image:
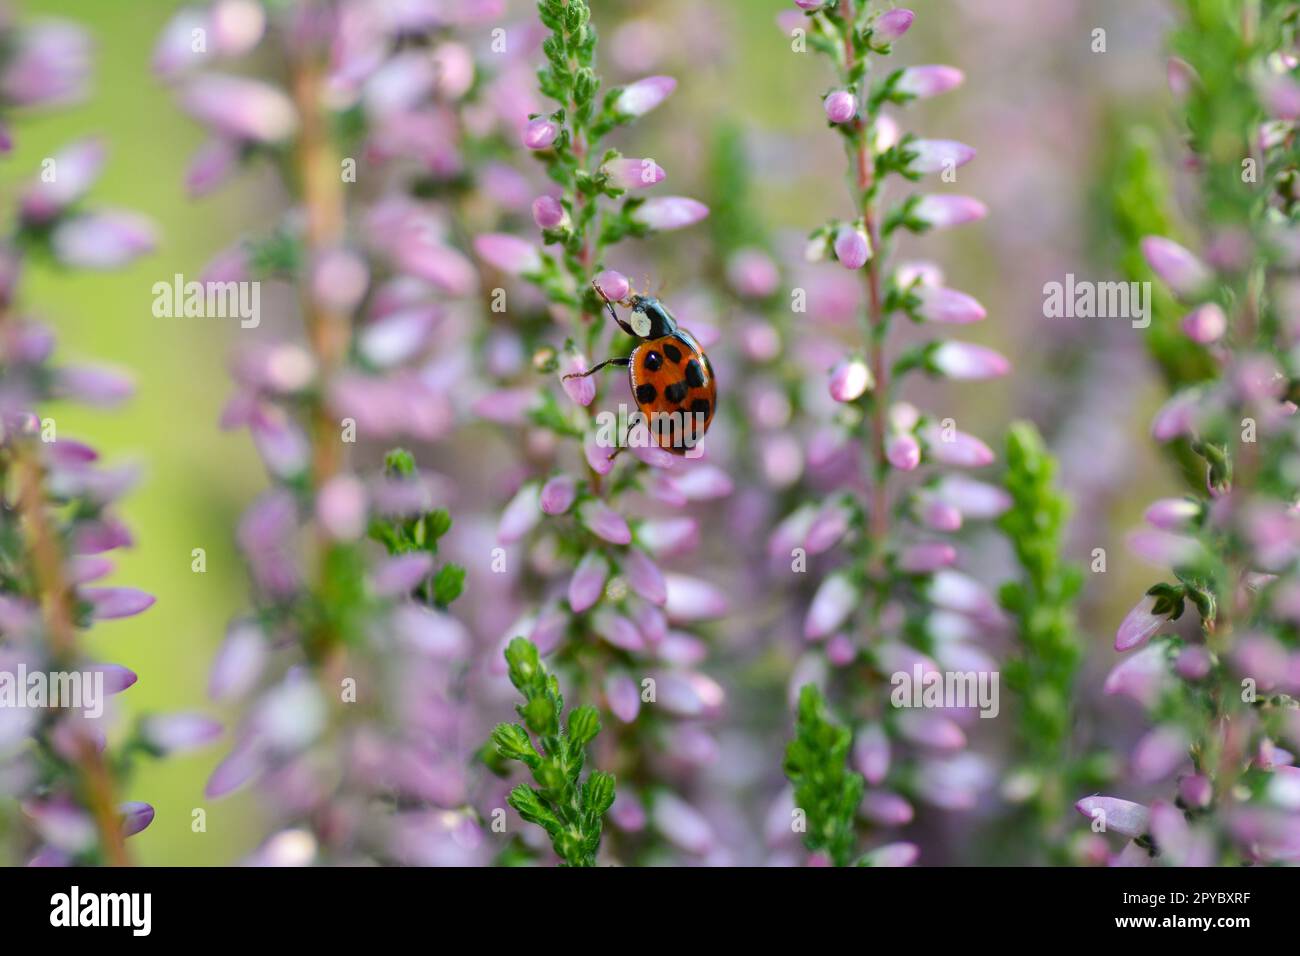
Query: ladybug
x=671 y=377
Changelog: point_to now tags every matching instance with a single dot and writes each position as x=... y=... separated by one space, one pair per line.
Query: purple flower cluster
x=889 y=571
x=58 y=514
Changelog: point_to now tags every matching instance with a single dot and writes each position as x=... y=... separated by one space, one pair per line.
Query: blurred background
x=1039 y=104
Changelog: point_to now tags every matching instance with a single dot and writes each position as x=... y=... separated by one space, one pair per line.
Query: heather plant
x=349 y=666
x=1210 y=650
x=606 y=614
x=57 y=511
x=1043 y=671
x=569 y=809
x=896 y=584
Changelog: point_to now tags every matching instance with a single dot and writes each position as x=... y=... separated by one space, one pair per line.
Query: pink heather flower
x=508 y=253
x=238 y=663
x=948 y=306
x=92 y=385
x=926 y=557
x=1205 y=324
x=852 y=248
x=892 y=24
x=136 y=816
x=1196 y=790
x=1121 y=816
x=48 y=65
x=808 y=4
x=830 y=525
x=342 y=509
x=1172 y=514
x=1177 y=417
x=109 y=603
x=939 y=515
x=1159 y=753
x=1142 y=676
x=892 y=855
x=669 y=537
x=925 y=81
x=604 y=522
x=690 y=599
x=618 y=630
x=1185 y=274
x=681 y=824
x=548 y=213
x=958 y=592
x=1193 y=663
x=963 y=361
x=639 y=98
x=903 y=451
x=850 y=380
x=752 y=273
x=936 y=155
x=644 y=577
x=103 y=240
x=1140 y=625
x=75 y=167
x=399 y=575
x=582 y=389
x=941 y=211
x=959 y=450
x=665 y=213
x=521 y=514
x=831 y=606
x=928 y=729
x=558 y=494
x=540 y=133
x=176 y=733
x=840 y=106
x=689 y=694
x=623 y=697
x=211 y=164
x=241 y=109
x=588 y=582
x=613 y=285
x=1163 y=547
x=597 y=456
x=871 y=753
x=628 y=173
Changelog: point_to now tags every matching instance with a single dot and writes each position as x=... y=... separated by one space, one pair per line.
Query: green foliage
x=419 y=533
x=569 y=809
x=816 y=761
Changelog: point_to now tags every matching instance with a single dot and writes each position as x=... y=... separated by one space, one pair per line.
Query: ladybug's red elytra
x=671 y=377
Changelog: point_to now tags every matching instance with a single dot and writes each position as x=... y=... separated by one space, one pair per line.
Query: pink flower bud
x=628 y=173
x=926 y=81
x=937 y=155
x=840 y=106
x=1139 y=626
x=956 y=448
x=641 y=97
x=520 y=515
x=963 y=361
x=548 y=213
x=926 y=557
x=241 y=109
x=558 y=494
x=903 y=451
x=886 y=808
x=623 y=697
x=1205 y=324
x=892 y=24
x=892 y=855
x=664 y=213
x=1159 y=753
x=850 y=380
x=508 y=253
x=644 y=577
x=1193 y=663
x=604 y=522
x=1185 y=274
x=1196 y=791
x=690 y=599
x=941 y=211
x=588 y=582
x=613 y=285
x=947 y=306
x=852 y=248
x=831 y=606
x=1172 y=514
x=581 y=389
x=1121 y=816
x=540 y=133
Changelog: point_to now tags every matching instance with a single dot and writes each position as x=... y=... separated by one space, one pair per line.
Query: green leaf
x=448 y=584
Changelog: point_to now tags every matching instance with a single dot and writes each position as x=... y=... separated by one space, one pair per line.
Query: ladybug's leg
x=614 y=454
x=620 y=362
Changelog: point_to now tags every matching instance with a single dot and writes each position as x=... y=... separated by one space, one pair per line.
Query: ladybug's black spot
x=645 y=394
x=676 y=392
x=694 y=374
x=673 y=352
x=700 y=407
x=654 y=361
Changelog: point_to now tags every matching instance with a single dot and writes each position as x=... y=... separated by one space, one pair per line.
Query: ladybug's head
x=649 y=319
